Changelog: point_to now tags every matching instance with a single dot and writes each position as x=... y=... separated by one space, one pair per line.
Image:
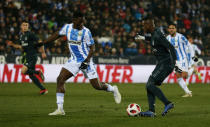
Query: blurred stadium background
x=113 y=23
x=119 y=59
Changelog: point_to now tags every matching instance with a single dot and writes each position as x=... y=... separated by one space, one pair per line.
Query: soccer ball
x=133 y=109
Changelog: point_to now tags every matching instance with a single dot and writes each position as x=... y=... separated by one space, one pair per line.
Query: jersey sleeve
x=63 y=30
x=185 y=41
x=191 y=52
x=197 y=49
x=89 y=39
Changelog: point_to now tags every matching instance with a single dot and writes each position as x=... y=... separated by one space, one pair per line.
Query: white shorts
x=73 y=67
x=191 y=63
x=190 y=71
x=183 y=65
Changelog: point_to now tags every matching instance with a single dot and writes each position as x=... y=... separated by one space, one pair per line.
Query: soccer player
x=81 y=46
x=166 y=57
x=27 y=44
x=181 y=46
x=192 y=58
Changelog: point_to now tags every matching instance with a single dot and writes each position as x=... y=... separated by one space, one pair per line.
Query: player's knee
x=60 y=80
x=150 y=83
x=184 y=75
x=178 y=75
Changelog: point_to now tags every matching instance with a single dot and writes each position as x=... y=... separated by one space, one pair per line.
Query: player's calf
x=60 y=84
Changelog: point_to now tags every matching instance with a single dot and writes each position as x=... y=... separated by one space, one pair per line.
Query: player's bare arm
x=53 y=37
x=10 y=43
x=42 y=51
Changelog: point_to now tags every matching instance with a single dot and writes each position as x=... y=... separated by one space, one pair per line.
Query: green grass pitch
x=22 y=106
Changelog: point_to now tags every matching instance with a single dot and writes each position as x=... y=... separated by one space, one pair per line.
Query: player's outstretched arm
x=43 y=52
x=53 y=37
x=10 y=43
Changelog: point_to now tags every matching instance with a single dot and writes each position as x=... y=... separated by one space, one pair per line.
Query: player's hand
x=44 y=56
x=84 y=65
x=139 y=37
x=195 y=58
x=177 y=69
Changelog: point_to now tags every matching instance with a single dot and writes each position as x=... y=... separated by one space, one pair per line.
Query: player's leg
x=182 y=83
x=28 y=63
x=29 y=68
x=190 y=72
x=95 y=82
x=60 y=91
x=106 y=87
x=151 y=86
x=183 y=65
x=157 y=77
x=151 y=99
x=197 y=73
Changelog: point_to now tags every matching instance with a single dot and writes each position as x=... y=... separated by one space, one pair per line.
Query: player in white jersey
x=81 y=46
x=181 y=45
x=192 y=58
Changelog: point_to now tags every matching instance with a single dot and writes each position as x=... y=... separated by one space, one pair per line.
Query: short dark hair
x=78 y=15
x=173 y=24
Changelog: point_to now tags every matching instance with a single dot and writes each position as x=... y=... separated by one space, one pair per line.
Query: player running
x=166 y=57
x=27 y=44
x=181 y=46
x=81 y=46
x=192 y=58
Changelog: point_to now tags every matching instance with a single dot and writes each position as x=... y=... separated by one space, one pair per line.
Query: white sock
x=188 y=80
x=60 y=100
x=183 y=85
x=110 y=88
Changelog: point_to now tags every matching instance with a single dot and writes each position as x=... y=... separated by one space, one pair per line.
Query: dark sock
x=156 y=91
x=36 y=82
x=151 y=101
x=31 y=72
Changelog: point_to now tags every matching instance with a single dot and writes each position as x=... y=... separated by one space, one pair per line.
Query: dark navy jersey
x=161 y=47
x=28 y=40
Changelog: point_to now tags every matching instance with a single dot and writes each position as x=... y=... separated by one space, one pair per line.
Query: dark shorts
x=30 y=62
x=161 y=71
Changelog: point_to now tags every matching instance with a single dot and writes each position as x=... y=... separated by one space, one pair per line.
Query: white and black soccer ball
x=133 y=109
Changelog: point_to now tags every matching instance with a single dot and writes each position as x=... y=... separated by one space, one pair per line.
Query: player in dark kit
x=166 y=57
x=27 y=44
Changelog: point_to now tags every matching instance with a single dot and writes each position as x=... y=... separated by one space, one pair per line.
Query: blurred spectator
x=113 y=23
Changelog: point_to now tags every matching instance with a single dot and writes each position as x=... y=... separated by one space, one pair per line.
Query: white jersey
x=180 y=44
x=78 y=42
x=193 y=49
